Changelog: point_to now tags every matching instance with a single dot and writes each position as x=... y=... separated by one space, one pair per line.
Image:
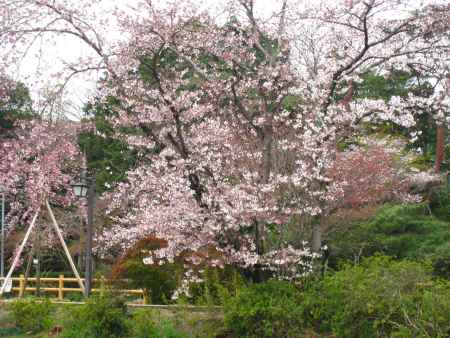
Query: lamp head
x=80 y=188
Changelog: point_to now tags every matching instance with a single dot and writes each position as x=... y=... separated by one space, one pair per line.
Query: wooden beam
x=63 y=243
x=19 y=252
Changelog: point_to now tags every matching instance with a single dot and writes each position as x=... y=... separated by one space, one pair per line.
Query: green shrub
x=31 y=315
x=380 y=298
x=440 y=203
x=159 y=280
x=400 y=231
x=269 y=309
x=9 y=332
x=218 y=285
x=100 y=317
x=422 y=162
x=145 y=327
x=431 y=315
x=441 y=265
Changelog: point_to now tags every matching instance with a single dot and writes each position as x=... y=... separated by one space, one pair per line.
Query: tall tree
x=15 y=103
x=241 y=121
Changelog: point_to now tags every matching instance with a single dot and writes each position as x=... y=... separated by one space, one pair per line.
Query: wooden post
x=61 y=287
x=145 y=297
x=21 y=285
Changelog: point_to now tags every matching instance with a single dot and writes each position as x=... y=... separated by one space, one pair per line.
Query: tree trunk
x=440 y=147
x=267 y=160
x=80 y=260
x=267 y=140
x=259 y=228
x=317 y=237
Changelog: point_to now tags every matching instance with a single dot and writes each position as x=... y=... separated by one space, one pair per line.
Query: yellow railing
x=61 y=290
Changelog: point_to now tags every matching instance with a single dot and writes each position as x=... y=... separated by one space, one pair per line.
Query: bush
x=430 y=317
x=31 y=315
x=100 y=317
x=159 y=280
x=219 y=284
x=269 y=309
x=440 y=203
x=145 y=327
x=400 y=231
x=441 y=265
x=380 y=298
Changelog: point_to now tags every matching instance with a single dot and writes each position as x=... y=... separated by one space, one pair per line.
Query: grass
x=197 y=324
x=12 y=332
x=7 y=328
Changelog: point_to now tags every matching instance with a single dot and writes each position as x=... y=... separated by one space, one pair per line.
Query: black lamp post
x=86 y=188
x=2 y=240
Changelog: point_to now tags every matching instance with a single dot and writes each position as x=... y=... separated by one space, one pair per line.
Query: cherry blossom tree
x=238 y=120
x=228 y=147
x=371 y=174
x=38 y=161
x=35 y=165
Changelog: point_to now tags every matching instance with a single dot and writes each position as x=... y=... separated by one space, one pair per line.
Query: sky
x=37 y=72
x=47 y=58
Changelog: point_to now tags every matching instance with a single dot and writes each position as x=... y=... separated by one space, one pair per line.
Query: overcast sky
x=67 y=49
x=37 y=72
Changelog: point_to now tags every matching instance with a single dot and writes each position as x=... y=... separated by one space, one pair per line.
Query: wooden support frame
x=25 y=240
x=19 y=252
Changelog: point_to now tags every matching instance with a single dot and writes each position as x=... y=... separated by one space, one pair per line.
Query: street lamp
x=80 y=189
x=86 y=188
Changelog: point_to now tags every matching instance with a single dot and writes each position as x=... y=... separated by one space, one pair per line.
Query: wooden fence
x=62 y=288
